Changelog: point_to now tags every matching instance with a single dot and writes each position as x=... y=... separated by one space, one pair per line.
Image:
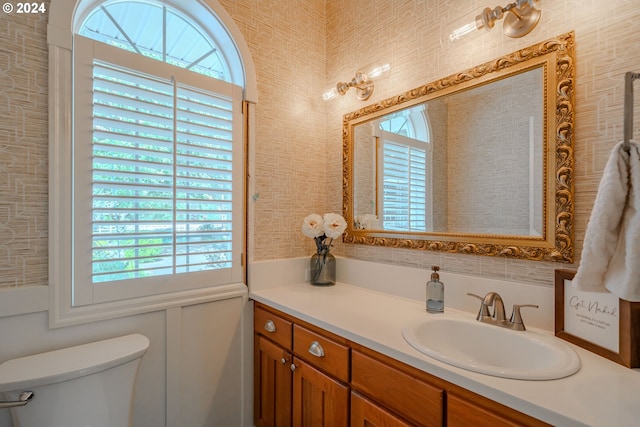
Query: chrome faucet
x=498 y=317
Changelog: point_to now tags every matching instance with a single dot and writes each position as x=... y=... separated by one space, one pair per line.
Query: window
x=148 y=204
x=406 y=171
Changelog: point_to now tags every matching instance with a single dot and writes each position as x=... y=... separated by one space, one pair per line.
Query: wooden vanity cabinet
x=272 y=369
x=300 y=375
x=307 y=377
x=320 y=377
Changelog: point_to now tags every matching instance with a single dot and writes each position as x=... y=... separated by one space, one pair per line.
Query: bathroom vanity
x=306 y=375
x=337 y=354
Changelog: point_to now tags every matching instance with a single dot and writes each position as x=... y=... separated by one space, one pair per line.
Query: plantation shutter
x=165 y=184
x=404 y=186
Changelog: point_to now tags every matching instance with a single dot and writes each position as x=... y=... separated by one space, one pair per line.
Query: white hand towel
x=611 y=252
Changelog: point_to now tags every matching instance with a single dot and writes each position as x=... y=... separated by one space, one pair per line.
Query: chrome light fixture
x=521 y=17
x=362 y=82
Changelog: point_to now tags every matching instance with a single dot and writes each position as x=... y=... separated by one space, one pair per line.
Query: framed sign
x=597 y=321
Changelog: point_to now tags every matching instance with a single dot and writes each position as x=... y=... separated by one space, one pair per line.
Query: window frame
x=61 y=311
x=84 y=291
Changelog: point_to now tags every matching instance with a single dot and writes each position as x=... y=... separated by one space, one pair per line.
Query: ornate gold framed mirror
x=480 y=162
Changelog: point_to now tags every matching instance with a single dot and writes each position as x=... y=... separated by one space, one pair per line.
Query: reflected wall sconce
x=362 y=82
x=521 y=17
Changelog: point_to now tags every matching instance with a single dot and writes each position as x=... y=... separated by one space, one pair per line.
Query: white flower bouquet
x=323 y=230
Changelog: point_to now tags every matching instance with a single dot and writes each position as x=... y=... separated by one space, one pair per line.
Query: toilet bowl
x=89 y=385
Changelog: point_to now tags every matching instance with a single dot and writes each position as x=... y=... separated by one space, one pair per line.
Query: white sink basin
x=492 y=350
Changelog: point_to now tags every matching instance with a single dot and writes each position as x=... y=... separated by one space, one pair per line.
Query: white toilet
x=90 y=385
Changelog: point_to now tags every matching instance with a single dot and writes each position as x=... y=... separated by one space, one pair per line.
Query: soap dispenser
x=435 y=292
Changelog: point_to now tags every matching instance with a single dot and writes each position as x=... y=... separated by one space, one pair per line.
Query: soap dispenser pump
x=435 y=292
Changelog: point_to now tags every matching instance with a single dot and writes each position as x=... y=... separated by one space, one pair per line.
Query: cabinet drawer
x=322 y=352
x=417 y=401
x=461 y=413
x=272 y=326
x=478 y=411
x=365 y=413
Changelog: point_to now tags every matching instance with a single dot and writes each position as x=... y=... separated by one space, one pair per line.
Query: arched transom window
x=157 y=31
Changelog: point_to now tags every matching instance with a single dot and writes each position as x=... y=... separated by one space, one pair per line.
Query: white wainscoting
x=198 y=370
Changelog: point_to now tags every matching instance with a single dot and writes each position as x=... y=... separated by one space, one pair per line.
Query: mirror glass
x=479 y=162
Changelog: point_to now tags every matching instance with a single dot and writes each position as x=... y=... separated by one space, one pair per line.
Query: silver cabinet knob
x=269 y=326
x=293 y=367
x=316 y=349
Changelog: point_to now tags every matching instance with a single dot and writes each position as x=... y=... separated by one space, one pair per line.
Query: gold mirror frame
x=556 y=243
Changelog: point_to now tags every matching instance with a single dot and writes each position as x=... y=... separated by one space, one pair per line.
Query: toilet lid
x=69 y=363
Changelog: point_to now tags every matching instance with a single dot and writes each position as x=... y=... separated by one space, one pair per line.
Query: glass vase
x=323 y=269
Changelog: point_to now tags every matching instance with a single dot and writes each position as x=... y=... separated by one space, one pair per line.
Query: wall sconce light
x=362 y=82
x=522 y=17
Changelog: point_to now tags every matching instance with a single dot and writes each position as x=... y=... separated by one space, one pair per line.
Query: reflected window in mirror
x=406 y=162
x=397 y=162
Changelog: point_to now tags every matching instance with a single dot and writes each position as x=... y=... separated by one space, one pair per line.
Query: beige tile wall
x=23 y=150
x=287 y=40
x=300 y=47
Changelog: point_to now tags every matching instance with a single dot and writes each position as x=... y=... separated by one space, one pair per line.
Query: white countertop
x=601 y=394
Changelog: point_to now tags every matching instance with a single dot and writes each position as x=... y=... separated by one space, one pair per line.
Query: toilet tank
x=89 y=385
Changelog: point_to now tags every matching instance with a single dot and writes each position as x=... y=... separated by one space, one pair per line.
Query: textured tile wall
x=287 y=40
x=300 y=47
x=23 y=149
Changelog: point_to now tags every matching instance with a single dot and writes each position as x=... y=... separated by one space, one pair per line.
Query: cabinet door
x=318 y=400
x=272 y=384
x=365 y=413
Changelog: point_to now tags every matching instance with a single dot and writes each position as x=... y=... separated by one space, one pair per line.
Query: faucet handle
x=484 y=309
x=516 y=317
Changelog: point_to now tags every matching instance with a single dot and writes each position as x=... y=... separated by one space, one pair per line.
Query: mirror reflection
x=446 y=166
x=478 y=162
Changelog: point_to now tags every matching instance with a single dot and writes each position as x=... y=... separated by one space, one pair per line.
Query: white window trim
x=61 y=312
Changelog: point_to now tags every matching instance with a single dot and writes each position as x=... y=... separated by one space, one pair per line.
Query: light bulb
x=458 y=33
x=329 y=94
x=378 y=71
